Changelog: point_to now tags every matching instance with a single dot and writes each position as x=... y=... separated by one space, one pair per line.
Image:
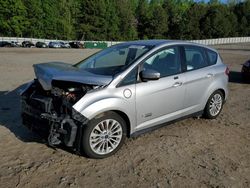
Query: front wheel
x=214 y=105
x=103 y=136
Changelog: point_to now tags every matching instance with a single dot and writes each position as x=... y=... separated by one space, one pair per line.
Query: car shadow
x=236 y=77
x=10 y=116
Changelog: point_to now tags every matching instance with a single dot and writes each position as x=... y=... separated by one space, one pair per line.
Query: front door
x=161 y=100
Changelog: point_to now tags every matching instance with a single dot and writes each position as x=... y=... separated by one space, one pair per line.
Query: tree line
x=121 y=20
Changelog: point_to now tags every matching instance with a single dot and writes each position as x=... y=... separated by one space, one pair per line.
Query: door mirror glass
x=149 y=74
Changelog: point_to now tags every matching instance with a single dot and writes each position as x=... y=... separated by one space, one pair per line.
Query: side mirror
x=149 y=74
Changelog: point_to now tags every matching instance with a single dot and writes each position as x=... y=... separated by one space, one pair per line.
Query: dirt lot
x=190 y=153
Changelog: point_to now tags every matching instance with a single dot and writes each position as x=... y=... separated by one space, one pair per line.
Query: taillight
x=227 y=71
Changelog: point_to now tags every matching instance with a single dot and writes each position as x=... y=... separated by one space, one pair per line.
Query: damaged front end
x=50 y=112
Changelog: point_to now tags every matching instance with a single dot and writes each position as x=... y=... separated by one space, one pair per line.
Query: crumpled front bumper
x=32 y=120
x=64 y=129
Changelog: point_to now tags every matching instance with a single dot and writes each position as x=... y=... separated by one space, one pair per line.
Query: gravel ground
x=189 y=153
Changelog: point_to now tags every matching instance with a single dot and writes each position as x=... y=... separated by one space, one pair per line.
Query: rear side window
x=212 y=57
x=195 y=58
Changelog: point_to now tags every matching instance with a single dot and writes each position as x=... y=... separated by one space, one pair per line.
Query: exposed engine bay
x=50 y=112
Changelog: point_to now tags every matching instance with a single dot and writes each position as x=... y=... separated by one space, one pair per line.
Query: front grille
x=41 y=103
x=31 y=114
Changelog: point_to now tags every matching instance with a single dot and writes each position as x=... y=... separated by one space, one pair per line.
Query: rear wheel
x=214 y=105
x=103 y=136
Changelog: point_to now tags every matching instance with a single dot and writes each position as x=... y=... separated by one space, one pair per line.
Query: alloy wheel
x=215 y=104
x=105 y=136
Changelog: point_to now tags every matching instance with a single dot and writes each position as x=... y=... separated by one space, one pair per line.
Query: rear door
x=198 y=77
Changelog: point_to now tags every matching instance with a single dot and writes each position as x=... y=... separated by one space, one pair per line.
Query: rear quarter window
x=212 y=57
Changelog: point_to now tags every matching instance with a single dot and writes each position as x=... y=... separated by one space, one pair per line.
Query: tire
x=104 y=135
x=214 y=105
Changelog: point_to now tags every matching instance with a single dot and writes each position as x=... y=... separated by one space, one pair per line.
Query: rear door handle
x=177 y=84
x=209 y=75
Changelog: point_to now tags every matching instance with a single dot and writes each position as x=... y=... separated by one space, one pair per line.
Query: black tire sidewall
x=86 y=149
x=207 y=110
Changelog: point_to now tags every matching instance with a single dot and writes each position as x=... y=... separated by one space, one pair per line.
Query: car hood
x=46 y=72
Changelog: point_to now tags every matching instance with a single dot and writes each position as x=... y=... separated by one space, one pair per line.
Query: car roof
x=149 y=42
x=157 y=43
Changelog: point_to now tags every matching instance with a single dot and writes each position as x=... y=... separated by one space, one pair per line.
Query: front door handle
x=177 y=84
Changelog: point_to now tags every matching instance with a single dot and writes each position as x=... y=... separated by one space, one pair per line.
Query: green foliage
x=34 y=28
x=13 y=17
x=218 y=22
x=124 y=19
x=142 y=16
x=176 y=11
x=193 y=22
x=91 y=20
x=127 y=25
x=242 y=11
x=113 y=21
x=158 y=22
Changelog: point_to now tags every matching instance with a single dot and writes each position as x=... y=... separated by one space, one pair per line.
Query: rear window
x=212 y=57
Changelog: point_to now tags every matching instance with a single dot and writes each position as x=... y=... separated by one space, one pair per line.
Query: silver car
x=123 y=91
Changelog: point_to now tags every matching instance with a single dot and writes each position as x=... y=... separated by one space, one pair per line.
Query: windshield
x=114 y=59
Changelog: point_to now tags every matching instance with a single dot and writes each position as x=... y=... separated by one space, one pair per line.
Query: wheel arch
x=123 y=115
x=214 y=90
x=219 y=85
x=222 y=91
x=126 y=119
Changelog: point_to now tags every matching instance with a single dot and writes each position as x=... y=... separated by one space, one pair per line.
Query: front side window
x=166 y=62
x=114 y=59
x=195 y=58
